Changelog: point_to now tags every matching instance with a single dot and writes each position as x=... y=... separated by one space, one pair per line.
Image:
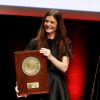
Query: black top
x=52 y=47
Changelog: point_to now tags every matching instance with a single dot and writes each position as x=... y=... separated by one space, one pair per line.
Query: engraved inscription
x=33 y=85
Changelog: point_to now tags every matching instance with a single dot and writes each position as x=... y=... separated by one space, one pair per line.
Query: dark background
x=15 y=33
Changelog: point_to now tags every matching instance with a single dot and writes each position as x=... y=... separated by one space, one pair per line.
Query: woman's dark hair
x=61 y=34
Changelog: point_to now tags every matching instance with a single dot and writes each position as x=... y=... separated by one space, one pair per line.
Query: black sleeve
x=31 y=45
x=69 y=48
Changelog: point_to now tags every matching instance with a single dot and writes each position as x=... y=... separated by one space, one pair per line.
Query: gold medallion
x=31 y=66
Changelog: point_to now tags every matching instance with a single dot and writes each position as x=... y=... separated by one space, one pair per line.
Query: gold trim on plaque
x=31 y=66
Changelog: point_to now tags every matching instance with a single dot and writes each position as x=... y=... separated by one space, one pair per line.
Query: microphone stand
x=95 y=81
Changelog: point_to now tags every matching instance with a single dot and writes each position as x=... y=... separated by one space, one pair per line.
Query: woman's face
x=50 y=25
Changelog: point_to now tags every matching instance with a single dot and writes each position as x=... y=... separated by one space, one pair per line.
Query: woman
x=52 y=42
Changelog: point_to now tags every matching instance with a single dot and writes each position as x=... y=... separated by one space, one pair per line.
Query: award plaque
x=31 y=72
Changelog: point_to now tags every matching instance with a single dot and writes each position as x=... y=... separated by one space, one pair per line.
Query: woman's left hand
x=45 y=52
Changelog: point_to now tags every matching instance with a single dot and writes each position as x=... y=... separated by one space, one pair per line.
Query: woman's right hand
x=17 y=91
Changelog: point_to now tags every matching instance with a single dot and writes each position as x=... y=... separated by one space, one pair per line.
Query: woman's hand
x=61 y=65
x=46 y=52
x=17 y=91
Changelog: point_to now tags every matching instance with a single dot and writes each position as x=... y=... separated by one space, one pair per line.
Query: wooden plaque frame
x=34 y=84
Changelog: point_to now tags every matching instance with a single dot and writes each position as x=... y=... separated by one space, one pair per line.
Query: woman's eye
x=52 y=22
x=46 y=21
